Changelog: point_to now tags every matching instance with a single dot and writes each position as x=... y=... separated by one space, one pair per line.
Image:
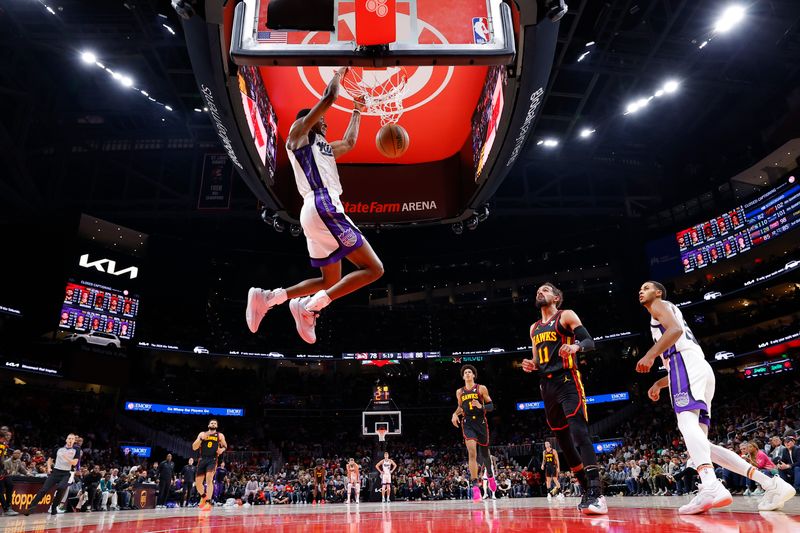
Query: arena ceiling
x=73 y=136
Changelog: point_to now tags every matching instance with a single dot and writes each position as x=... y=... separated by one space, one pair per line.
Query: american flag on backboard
x=272 y=36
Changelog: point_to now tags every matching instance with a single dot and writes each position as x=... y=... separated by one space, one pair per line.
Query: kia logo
x=108 y=266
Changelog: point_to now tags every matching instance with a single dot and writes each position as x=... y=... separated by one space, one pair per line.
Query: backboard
x=427 y=32
x=371 y=421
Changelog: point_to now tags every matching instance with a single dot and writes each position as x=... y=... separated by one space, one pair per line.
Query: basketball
x=392 y=140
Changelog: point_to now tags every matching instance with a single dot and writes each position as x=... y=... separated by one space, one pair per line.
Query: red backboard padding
x=376 y=22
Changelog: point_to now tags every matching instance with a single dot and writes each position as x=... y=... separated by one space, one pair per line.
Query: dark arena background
x=594 y=145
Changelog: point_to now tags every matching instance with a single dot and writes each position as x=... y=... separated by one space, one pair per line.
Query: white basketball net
x=382 y=91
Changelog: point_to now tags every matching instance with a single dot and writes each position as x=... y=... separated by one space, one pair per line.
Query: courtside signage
x=183 y=409
x=602 y=398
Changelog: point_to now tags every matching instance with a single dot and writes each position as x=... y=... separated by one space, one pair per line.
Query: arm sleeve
x=585 y=341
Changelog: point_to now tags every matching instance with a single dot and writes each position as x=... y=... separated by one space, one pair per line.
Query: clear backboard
x=372 y=421
x=426 y=32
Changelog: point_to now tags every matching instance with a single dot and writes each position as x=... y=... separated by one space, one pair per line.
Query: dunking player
x=330 y=234
x=211 y=444
x=353 y=479
x=473 y=403
x=551 y=468
x=557 y=338
x=691 y=384
x=386 y=467
x=319 y=482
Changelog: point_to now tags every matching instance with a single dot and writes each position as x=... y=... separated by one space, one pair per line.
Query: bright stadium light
x=671 y=86
x=730 y=18
x=587 y=132
x=126 y=81
x=633 y=107
x=550 y=143
x=88 y=57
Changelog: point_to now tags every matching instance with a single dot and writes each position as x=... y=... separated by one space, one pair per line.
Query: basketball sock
x=696 y=442
x=279 y=296
x=318 y=302
x=580 y=475
x=728 y=459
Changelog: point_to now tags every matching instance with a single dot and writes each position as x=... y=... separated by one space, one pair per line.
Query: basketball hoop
x=381 y=434
x=382 y=90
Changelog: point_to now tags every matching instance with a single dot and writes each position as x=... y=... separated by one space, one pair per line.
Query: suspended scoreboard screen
x=734 y=232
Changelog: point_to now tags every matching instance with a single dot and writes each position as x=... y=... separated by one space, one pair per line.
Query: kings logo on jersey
x=681 y=399
x=348 y=238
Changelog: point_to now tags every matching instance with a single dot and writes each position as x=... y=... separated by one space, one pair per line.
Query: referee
x=58 y=475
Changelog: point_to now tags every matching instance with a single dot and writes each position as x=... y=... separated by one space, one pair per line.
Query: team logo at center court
x=681 y=399
x=424 y=83
x=348 y=238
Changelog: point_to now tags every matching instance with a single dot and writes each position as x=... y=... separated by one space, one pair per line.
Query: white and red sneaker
x=715 y=495
x=259 y=302
x=305 y=320
x=774 y=497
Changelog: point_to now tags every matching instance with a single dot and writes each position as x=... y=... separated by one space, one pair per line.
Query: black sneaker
x=584 y=501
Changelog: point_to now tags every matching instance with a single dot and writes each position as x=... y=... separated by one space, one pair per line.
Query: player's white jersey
x=314 y=166
x=387 y=468
x=687 y=344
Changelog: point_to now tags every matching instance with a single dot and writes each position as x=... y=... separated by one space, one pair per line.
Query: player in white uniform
x=386 y=467
x=330 y=234
x=691 y=381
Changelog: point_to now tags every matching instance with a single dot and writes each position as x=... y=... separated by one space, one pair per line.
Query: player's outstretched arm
x=672 y=333
x=351 y=135
x=302 y=126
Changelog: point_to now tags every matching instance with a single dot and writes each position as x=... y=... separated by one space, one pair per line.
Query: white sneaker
x=596 y=506
x=560 y=497
x=713 y=496
x=775 y=497
x=549 y=496
x=305 y=320
x=747 y=493
x=758 y=492
x=259 y=302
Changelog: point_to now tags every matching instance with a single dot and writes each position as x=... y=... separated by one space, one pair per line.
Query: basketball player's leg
x=331 y=274
x=199 y=481
x=777 y=491
x=368 y=269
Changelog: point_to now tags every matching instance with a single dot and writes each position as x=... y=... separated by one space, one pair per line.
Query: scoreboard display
x=742 y=228
x=88 y=308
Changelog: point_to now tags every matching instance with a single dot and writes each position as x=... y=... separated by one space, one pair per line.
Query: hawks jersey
x=547 y=339
x=471 y=414
x=315 y=167
x=686 y=345
x=209 y=446
x=549 y=457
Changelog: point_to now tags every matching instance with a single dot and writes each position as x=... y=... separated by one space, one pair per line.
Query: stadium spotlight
x=730 y=18
x=88 y=57
x=458 y=228
x=633 y=107
x=550 y=143
x=472 y=222
x=587 y=132
x=670 y=86
x=126 y=81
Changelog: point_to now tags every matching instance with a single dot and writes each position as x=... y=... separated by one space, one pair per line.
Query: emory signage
x=108 y=266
